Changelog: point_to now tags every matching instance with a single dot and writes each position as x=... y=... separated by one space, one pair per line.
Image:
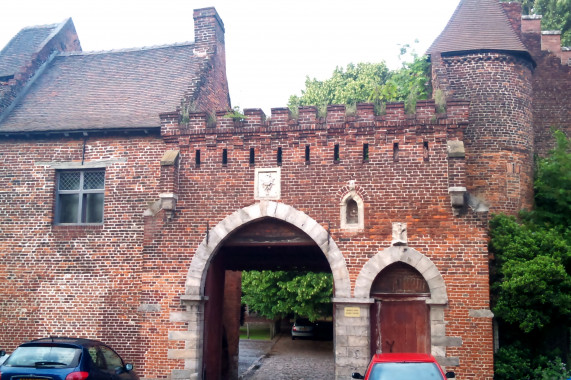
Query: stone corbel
x=457 y=198
x=168 y=203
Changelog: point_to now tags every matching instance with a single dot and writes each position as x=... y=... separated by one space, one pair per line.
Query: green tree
x=531 y=275
x=553 y=186
x=276 y=294
x=368 y=82
x=556 y=15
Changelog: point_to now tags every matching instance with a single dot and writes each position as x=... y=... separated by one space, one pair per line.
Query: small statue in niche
x=399 y=234
x=352 y=212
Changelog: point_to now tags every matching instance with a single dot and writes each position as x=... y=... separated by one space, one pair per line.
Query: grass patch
x=256 y=332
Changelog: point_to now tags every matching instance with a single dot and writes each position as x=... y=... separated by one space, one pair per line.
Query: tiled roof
x=20 y=48
x=105 y=90
x=477 y=25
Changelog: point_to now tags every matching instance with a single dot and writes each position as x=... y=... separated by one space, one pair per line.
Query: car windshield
x=43 y=356
x=303 y=322
x=405 y=371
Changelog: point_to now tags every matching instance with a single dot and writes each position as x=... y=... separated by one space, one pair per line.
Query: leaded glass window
x=80 y=196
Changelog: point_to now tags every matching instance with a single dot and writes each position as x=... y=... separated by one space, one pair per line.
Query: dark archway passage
x=265 y=244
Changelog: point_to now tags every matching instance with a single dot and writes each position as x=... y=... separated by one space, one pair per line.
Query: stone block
x=357 y=341
x=183 y=316
x=438 y=350
x=436 y=313
x=438 y=329
x=446 y=341
x=481 y=313
x=282 y=211
x=448 y=361
x=190 y=336
x=181 y=374
x=183 y=353
x=149 y=308
x=455 y=149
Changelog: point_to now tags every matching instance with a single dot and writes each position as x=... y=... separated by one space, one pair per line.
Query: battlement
x=550 y=39
x=337 y=118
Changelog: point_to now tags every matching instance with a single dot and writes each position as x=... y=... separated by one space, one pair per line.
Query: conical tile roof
x=478 y=25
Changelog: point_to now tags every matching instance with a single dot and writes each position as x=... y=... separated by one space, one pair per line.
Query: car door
x=98 y=367
x=115 y=365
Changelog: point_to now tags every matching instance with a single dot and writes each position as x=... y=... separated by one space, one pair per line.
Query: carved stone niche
x=352 y=212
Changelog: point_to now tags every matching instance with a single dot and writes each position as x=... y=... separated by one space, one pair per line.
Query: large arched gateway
x=274 y=225
x=282 y=226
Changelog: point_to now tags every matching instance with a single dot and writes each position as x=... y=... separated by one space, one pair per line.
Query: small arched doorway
x=400 y=316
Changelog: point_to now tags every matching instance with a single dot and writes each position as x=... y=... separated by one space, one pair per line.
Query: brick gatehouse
x=129 y=204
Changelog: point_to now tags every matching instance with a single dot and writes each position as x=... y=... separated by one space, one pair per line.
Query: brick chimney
x=212 y=93
x=208 y=32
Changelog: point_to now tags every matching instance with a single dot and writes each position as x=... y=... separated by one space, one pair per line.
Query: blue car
x=66 y=359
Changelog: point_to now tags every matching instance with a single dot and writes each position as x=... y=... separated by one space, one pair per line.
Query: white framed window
x=80 y=196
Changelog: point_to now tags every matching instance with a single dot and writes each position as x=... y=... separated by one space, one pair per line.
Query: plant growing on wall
x=235 y=114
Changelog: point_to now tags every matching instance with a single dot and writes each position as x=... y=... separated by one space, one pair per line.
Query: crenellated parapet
x=336 y=120
x=548 y=40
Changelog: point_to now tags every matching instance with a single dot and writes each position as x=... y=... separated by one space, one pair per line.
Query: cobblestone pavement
x=251 y=351
x=296 y=360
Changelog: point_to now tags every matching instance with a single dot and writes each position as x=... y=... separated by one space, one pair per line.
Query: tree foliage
x=553 y=185
x=368 y=82
x=556 y=15
x=531 y=275
x=276 y=294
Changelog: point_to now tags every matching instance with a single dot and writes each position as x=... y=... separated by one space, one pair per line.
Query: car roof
x=403 y=357
x=66 y=340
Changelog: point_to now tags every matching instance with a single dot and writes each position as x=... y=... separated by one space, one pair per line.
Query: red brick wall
x=499 y=138
x=119 y=282
x=75 y=281
x=411 y=190
x=551 y=91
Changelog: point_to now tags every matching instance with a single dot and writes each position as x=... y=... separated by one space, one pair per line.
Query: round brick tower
x=480 y=57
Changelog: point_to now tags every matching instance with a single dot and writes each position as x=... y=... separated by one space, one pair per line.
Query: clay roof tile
x=478 y=25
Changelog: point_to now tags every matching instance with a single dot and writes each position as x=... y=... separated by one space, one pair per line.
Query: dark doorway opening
x=267 y=244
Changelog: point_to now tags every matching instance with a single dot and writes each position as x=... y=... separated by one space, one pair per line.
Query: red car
x=404 y=367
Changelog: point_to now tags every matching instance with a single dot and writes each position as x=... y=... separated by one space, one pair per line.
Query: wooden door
x=404 y=326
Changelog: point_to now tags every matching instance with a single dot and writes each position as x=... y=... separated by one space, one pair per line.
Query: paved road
x=295 y=360
x=251 y=351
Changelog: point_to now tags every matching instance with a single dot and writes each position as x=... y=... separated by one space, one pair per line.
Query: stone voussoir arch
x=407 y=255
x=438 y=295
x=266 y=209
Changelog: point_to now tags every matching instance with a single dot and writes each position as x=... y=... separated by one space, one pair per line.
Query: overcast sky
x=271 y=46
